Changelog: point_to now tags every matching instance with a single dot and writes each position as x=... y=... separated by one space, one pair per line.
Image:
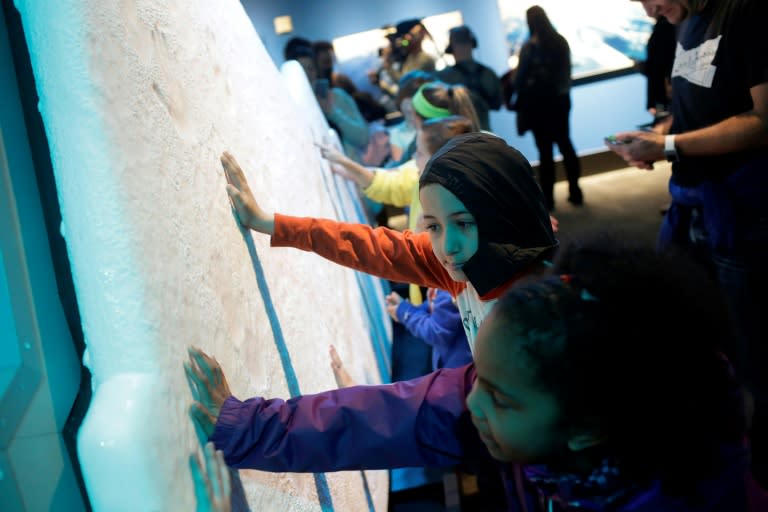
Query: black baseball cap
x=460 y=34
x=402 y=28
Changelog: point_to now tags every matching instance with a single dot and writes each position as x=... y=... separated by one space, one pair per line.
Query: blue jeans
x=743 y=279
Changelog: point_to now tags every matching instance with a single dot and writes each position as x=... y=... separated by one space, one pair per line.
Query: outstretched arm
x=737 y=133
x=386 y=253
x=360 y=174
x=411 y=423
x=404 y=257
x=394 y=186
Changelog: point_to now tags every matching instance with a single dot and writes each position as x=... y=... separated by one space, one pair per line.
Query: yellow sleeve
x=394 y=187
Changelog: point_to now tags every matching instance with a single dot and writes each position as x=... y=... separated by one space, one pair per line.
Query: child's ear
x=583 y=439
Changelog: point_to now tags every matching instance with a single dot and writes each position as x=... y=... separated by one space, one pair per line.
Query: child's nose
x=474 y=403
x=451 y=243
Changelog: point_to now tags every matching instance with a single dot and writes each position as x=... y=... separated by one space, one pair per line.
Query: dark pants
x=552 y=127
x=743 y=279
x=744 y=282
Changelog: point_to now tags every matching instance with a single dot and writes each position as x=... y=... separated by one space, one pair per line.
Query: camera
x=399 y=37
x=398 y=48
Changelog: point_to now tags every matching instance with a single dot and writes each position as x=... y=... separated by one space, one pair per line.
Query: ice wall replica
x=139 y=99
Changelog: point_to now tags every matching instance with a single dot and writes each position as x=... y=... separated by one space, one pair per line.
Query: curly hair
x=627 y=341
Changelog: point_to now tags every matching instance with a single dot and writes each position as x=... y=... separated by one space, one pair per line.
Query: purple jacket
x=420 y=422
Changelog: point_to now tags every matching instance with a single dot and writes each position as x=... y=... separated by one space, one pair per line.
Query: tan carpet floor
x=624 y=201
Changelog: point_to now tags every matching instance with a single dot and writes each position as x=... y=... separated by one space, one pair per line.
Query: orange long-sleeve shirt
x=397 y=256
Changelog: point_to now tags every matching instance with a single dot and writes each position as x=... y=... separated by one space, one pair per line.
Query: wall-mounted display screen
x=605 y=37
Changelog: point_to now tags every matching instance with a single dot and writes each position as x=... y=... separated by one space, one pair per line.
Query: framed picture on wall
x=606 y=37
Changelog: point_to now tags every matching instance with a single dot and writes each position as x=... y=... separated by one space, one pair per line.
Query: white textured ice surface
x=139 y=98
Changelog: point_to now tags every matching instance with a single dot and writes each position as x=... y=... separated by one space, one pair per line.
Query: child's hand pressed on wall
x=393 y=301
x=339 y=161
x=332 y=154
x=343 y=378
x=209 y=390
x=344 y=166
x=213 y=487
x=248 y=210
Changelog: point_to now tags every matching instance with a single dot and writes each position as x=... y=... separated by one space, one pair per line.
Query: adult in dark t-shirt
x=718 y=145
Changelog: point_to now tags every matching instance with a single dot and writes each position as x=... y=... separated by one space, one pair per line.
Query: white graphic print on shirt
x=473 y=310
x=695 y=65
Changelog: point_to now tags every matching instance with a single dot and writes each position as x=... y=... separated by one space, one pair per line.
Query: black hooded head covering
x=495 y=183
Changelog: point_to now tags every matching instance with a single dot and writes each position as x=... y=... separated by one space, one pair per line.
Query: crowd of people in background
x=541 y=90
x=601 y=376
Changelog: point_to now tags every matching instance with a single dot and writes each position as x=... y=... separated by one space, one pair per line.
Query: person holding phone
x=718 y=147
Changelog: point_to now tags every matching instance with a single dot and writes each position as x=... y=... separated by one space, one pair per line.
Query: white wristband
x=670 y=151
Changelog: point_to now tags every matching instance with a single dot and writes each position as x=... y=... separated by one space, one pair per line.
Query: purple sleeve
x=410 y=423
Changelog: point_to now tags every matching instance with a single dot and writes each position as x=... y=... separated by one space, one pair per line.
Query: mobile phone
x=613 y=141
x=321 y=87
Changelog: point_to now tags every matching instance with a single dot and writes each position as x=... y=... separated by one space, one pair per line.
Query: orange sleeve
x=397 y=256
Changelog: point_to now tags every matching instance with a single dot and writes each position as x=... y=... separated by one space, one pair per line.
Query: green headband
x=425 y=109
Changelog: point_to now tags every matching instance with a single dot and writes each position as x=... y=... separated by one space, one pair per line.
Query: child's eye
x=431 y=227
x=503 y=402
x=465 y=222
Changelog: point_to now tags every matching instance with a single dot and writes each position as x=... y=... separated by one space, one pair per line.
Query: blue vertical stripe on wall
x=379 y=338
x=321 y=483
x=381 y=345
